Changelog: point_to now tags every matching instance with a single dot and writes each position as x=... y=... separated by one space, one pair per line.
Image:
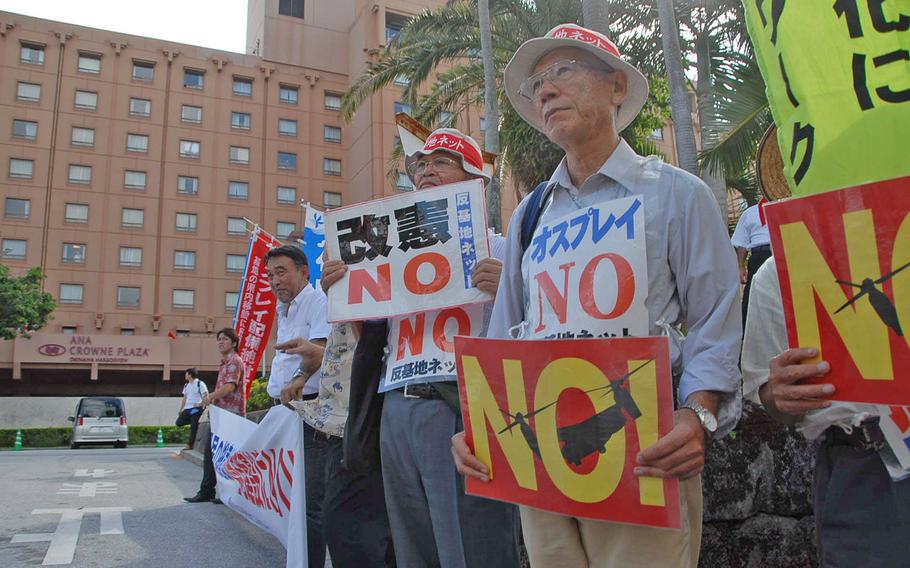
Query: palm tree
x=491 y=112
x=680 y=108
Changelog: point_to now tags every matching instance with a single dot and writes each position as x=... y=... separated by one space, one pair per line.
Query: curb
x=193 y=457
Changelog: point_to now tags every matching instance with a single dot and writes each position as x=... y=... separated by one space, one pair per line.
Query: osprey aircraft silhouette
x=880 y=302
x=592 y=434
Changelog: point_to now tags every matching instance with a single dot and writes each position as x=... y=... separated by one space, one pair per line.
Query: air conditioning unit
x=209 y=324
x=156 y=322
x=99 y=320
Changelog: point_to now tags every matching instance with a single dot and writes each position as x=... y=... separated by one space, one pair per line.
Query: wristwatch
x=708 y=420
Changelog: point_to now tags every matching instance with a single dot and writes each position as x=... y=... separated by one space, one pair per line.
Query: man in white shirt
x=301 y=320
x=751 y=238
x=191 y=406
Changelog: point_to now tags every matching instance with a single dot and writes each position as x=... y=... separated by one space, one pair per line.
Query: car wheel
x=74 y=446
x=119 y=444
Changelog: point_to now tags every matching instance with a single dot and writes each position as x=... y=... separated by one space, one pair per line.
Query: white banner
x=409 y=253
x=895 y=424
x=260 y=474
x=422 y=346
x=588 y=273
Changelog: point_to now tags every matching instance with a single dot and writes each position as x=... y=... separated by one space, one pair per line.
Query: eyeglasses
x=557 y=73
x=420 y=166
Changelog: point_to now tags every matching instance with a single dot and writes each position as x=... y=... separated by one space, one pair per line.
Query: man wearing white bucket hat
x=434 y=523
x=574 y=86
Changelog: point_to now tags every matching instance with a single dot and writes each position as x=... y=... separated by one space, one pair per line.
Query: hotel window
x=186 y=222
x=235 y=263
x=127 y=331
x=483 y=125
x=76 y=213
x=134 y=179
x=182 y=332
x=230 y=300
x=331 y=167
x=25 y=129
x=287 y=94
x=291 y=8
x=402 y=107
x=21 y=169
x=183 y=299
x=446 y=119
x=402 y=80
x=238 y=190
x=82 y=136
x=184 y=260
x=74 y=253
x=137 y=143
x=140 y=107
x=81 y=175
x=393 y=25
x=189 y=149
x=143 y=71
x=132 y=218
x=287 y=127
x=332 y=101
x=193 y=79
x=330 y=199
x=657 y=134
x=404 y=182
x=89 y=63
x=13 y=249
x=187 y=185
x=331 y=134
x=239 y=155
x=32 y=54
x=14 y=208
x=287 y=161
x=28 y=91
x=130 y=256
x=71 y=293
x=243 y=87
x=236 y=226
x=68 y=329
x=287 y=195
x=191 y=114
x=127 y=297
x=86 y=100
x=284 y=229
x=240 y=120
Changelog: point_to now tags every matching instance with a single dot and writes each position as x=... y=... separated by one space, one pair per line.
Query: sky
x=217 y=24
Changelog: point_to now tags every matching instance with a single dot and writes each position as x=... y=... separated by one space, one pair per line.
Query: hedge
x=55 y=437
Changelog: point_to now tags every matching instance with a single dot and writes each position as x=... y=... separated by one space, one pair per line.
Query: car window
x=99 y=408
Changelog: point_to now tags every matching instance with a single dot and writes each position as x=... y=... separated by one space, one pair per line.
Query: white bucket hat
x=453 y=141
x=570 y=35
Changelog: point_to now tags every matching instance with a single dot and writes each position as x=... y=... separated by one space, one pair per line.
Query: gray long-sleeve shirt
x=692 y=274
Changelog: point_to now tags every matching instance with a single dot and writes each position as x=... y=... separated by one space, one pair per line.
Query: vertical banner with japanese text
x=256 y=304
x=559 y=424
x=409 y=253
x=837 y=74
x=261 y=476
x=314 y=242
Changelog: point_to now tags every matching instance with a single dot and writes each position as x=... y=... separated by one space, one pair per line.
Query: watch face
x=708 y=421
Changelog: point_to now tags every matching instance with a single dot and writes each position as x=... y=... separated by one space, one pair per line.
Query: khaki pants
x=556 y=541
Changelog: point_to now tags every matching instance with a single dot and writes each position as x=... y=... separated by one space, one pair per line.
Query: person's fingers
x=800 y=407
x=289 y=344
x=673 y=441
x=803 y=392
x=793 y=356
x=466 y=463
x=795 y=373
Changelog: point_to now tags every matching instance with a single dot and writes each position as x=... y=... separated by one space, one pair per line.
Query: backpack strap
x=533 y=211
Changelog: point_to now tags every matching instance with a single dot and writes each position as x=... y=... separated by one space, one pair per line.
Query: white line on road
x=63 y=541
x=88 y=488
x=96 y=473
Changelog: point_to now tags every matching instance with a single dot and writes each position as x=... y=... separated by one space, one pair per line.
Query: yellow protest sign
x=838 y=82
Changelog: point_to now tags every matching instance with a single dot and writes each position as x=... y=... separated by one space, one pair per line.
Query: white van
x=99 y=419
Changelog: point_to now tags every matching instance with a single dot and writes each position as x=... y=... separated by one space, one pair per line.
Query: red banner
x=255 y=306
x=559 y=424
x=843 y=259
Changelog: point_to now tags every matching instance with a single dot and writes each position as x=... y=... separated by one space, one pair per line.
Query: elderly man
x=433 y=522
x=573 y=86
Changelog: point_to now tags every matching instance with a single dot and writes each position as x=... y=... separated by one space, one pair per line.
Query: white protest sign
x=422 y=346
x=409 y=253
x=260 y=473
x=587 y=273
x=894 y=422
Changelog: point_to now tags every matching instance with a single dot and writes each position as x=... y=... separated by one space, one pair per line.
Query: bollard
x=159 y=443
x=18 y=444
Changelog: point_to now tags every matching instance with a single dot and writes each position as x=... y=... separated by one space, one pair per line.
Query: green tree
x=24 y=307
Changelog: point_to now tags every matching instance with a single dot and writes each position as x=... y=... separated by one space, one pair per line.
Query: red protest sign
x=560 y=422
x=843 y=259
x=256 y=306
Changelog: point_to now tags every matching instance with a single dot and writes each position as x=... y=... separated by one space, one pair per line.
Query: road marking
x=88 y=488
x=96 y=473
x=63 y=541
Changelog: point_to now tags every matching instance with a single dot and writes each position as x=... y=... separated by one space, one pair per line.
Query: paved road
x=113 y=508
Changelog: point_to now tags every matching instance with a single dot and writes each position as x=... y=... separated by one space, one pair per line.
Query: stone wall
x=758 y=497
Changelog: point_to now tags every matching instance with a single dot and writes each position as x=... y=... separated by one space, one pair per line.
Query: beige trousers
x=556 y=541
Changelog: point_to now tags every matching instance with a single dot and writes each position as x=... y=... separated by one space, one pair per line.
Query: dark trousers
x=862 y=517
x=757 y=257
x=344 y=510
x=191 y=418
x=207 y=487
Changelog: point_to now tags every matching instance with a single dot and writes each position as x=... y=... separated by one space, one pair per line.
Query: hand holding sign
x=681 y=453
x=786 y=393
x=486 y=275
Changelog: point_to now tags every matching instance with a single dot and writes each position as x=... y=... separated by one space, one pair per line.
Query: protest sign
x=314 y=242
x=409 y=253
x=559 y=424
x=842 y=259
x=261 y=474
x=422 y=348
x=255 y=311
x=588 y=273
x=836 y=73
